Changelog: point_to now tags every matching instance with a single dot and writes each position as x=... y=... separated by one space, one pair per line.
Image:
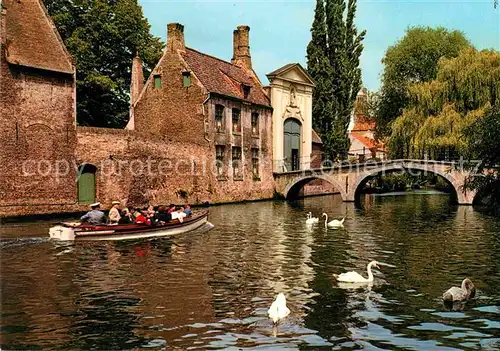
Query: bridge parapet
x=349 y=177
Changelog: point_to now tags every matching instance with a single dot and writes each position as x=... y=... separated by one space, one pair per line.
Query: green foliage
x=333 y=62
x=439 y=111
x=483 y=136
x=103 y=37
x=411 y=60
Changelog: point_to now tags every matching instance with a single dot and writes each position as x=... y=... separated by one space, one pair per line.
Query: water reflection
x=213 y=289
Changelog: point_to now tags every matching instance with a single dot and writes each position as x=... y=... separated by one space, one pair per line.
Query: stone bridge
x=349 y=179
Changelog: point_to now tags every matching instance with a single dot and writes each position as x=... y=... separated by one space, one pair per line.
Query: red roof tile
x=368 y=142
x=222 y=77
x=363 y=126
x=32 y=39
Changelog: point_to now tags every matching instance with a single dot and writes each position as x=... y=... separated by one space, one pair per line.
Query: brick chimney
x=175 y=37
x=136 y=86
x=241 y=47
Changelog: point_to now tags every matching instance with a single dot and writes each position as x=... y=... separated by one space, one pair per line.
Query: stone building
x=37 y=112
x=290 y=91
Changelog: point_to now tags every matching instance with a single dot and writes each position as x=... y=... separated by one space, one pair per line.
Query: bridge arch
x=462 y=196
x=292 y=189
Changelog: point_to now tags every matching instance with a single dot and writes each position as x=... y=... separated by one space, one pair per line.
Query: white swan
x=310 y=219
x=467 y=291
x=278 y=309
x=335 y=223
x=354 y=277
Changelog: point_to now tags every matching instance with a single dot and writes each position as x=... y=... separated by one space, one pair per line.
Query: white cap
x=115 y=203
x=95 y=204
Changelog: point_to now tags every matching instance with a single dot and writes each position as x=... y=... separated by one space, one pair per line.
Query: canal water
x=211 y=289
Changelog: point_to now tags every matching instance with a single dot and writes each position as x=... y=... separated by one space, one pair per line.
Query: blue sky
x=280 y=29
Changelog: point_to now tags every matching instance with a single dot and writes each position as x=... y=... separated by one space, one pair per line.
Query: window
x=246 y=91
x=186 y=79
x=157 y=79
x=236 y=121
x=255 y=123
x=237 y=172
x=255 y=163
x=219 y=118
x=219 y=157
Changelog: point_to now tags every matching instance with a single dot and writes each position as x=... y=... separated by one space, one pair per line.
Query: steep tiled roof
x=315 y=137
x=224 y=78
x=32 y=39
x=363 y=126
x=368 y=142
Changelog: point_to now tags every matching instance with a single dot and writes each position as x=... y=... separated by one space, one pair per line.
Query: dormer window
x=186 y=79
x=246 y=91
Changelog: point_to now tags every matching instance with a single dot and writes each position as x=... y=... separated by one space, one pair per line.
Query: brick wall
x=138 y=168
x=173 y=109
x=37 y=140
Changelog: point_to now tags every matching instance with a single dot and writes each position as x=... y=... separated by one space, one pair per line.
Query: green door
x=86 y=186
x=291 y=139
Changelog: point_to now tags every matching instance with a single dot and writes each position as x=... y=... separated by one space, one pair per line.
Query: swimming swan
x=354 y=277
x=310 y=219
x=467 y=291
x=334 y=223
x=278 y=309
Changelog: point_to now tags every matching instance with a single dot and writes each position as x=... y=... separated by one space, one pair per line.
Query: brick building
x=200 y=129
x=37 y=112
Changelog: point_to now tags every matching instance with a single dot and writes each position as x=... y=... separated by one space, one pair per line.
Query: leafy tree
x=441 y=110
x=333 y=62
x=103 y=37
x=483 y=136
x=413 y=59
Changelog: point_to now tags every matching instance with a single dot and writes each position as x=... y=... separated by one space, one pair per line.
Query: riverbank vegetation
x=439 y=100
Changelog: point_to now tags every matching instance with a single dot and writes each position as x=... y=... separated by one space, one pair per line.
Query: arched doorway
x=291 y=147
x=86 y=183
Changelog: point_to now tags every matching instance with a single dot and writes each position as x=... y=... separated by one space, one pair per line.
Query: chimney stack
x=175 y=37
x=241 y=47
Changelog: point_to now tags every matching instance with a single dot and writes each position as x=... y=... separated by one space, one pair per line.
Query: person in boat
x=162 y=216
x=125 y=217
x=188 y=210
x=151 y=211
x=141 y=218
x=114 y=213
x=179 y=214
x=171 y=208
x=95 y=216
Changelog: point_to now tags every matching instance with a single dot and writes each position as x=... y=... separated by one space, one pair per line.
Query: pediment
x=294 y=73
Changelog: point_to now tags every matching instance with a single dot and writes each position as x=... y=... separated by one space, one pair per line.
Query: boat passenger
x=114 y=213
x=141 y=217
x=94 y=216
x=125 y=218
x=151 y=211
x=178 y=214
x=171 y=208
x=188 y=211
x=162 y=216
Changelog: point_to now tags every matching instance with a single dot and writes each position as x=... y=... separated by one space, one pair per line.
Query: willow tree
x=413 y=59
x=439 y=111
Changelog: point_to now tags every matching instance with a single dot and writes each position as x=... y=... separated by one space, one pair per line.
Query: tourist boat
x=81 y=231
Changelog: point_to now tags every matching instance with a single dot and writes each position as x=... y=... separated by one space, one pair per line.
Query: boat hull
x=127 y=232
